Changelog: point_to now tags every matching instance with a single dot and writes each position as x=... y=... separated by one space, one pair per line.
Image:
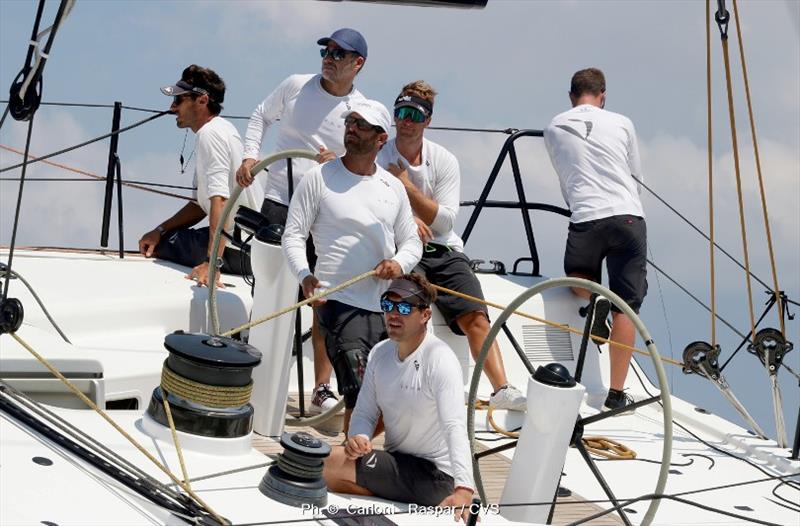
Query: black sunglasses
x=178 y=99
x=336 y=54
x=361 y=124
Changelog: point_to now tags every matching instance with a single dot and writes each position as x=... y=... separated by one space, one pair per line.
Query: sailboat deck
x=494 y=470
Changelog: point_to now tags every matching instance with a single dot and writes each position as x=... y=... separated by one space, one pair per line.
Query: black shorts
x=189 y=247
x=622 y=242
x=276 y=215
x=450 y=269
x=350 y=333
x=403 y=478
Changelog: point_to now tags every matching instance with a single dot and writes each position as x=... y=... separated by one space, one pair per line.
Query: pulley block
x=701 y=358
x=11 y=314
x=23 y=108
x=770 y=346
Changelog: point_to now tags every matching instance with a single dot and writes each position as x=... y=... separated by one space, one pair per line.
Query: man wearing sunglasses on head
x=431 y=177
x=309 y=108
x=413 y=382
x=196 y=102
x=360 y=219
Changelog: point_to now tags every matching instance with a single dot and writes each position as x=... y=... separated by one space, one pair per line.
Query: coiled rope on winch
x=206 y=394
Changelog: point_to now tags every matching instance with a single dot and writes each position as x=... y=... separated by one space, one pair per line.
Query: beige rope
x=116 y=426
x=210 y=395
x=168 y=411
x=303 y=303
x=739 y=192
x=710 y=180
x=608 y=448
x=758 y=171
x=561 y=326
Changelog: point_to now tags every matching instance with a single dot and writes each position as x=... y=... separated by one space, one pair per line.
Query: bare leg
x=322 y=364
x=476 y=327
x=579 y=291
x=339 y=473
x=623 y=332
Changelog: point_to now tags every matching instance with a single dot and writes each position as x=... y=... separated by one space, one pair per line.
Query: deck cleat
x=296 y=478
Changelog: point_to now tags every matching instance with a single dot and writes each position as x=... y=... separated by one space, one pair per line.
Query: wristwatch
x=160 y=229
x=218 y=262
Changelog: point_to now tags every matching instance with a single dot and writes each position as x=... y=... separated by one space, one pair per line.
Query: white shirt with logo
x=218 y=156
x=309 y=116
x=439 y=178
x=595 y=154
x=357 y=222
x=421 y=399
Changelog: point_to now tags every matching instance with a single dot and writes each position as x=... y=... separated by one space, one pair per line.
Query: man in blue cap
x=309 y=108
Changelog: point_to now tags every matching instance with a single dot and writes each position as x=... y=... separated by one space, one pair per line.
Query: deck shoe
x=600 y=325
x=508 y=397
x=323 y=400
x=618 y=400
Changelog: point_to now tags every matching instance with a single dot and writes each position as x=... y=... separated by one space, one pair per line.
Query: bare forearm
x=188 y=216
x=424 y=207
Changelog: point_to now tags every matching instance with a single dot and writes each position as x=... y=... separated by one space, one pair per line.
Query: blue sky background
x=507 y=65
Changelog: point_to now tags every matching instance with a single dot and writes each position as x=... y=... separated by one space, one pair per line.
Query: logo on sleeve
x=372 y=461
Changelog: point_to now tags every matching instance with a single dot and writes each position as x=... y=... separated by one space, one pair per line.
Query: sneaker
x=600 y=326
x=323 y=400
x=508 y=397
x=618 y=400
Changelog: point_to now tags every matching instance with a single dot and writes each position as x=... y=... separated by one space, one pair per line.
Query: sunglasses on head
x=407 y=112
x=335 y=53
x=361 y=124
x=404 y=308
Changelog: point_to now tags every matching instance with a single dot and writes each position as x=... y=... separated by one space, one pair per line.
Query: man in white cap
x=360 y=219
x=309 y=108
x=431 y=177
x=412 y=382
x=197 y=102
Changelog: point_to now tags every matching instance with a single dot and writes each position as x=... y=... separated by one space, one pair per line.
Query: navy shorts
x=622 y=242
x=276 y=213
x=189 y=247
x=451 y=269
x=403 y=478
x=350 y=333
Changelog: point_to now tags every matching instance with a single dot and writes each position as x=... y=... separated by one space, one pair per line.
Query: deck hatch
x=543 y=343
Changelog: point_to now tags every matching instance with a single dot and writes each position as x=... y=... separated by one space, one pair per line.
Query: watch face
x=219 y=262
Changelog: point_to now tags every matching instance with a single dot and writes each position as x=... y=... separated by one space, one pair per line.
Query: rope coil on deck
x=206 y=394
x=608 y=448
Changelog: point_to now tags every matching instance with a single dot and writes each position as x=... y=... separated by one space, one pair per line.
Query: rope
x=36 y=297
x=174 y=433
x=758 y=170
x=137 y=185
x=116 y=426
x=710 y=179
x=561 y=326
x=496 y=427
x=739 y=192
x=303 y=303
x=86 y=143
x=210 y=395
x=608 y=448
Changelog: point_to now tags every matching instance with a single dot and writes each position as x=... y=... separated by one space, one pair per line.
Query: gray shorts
x=622 y=242
x=403 y=478
x=350 y=333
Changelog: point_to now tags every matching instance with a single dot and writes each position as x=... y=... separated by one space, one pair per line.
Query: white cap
x=371 y=111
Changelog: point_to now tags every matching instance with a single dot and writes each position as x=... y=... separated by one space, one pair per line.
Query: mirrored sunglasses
x=407 y=112
x=404 y=308
x=336 y=54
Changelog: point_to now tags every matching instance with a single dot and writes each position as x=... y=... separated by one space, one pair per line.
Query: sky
x=505 y=66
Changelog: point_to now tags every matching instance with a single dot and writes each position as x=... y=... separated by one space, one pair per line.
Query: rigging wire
x=86 y=143
x=712 y=283
x=758 y=170
x=666 y=323
x=101 y=180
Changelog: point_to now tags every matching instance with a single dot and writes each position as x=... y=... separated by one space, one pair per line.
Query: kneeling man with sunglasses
x=413 y=380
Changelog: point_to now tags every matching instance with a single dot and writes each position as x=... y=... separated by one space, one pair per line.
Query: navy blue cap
x=347 y=39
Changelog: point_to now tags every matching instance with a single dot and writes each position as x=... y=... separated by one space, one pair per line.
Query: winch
x=208 y=381
x=296 y=478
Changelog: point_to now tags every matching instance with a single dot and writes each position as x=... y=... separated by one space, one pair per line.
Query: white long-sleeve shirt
x=438 y=178
x=219 y=154
x=357 y=221
x=421 y=399
x=595 y=153
x=309 y=116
